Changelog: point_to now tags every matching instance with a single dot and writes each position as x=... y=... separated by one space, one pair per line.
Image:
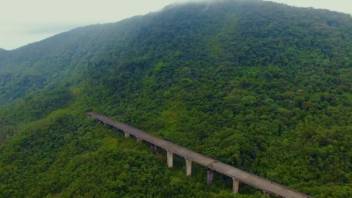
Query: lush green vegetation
x=262 y=86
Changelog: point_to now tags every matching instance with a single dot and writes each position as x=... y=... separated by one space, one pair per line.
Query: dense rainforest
x=261 y=86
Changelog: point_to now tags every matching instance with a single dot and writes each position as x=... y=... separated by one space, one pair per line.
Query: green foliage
x=261 y=86
x=67 y=155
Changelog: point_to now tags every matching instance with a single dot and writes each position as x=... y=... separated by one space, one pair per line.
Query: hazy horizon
x=39 y=19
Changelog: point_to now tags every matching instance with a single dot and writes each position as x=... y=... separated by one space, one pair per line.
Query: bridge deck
x=243 y=176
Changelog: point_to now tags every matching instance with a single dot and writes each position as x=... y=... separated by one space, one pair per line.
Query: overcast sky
x=26 y=21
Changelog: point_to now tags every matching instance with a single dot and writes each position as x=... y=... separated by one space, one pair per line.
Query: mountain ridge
x=204 y=3
x=258 y=85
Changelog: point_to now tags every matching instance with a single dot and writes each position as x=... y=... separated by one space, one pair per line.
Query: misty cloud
x=23 y=22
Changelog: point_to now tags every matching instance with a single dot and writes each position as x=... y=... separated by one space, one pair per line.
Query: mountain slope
x=263 y=86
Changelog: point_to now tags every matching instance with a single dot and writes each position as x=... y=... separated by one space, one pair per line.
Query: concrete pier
x=154 y=148
x=212 y=165
x=170 y=159
x=188 y=167
x=210 y=176
x=235 y=185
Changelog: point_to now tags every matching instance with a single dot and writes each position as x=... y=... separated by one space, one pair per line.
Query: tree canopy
x=258 y=85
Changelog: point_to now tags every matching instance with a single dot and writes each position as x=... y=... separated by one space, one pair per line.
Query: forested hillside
x=258 y=85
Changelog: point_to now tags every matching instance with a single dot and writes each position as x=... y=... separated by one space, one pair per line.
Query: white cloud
x=25 y=21
x=335 y=5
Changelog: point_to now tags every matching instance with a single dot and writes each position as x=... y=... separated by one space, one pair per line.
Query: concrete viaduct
x=238 y=176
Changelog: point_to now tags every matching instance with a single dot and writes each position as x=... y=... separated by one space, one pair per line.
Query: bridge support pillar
x=235 y=185
x=170 y=159
x=210 y=176
x=154 y=148
x=127 y=135
x=188 y=167
x=138 y=139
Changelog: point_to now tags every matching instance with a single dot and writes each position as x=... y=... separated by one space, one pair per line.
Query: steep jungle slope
x=262 y=86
